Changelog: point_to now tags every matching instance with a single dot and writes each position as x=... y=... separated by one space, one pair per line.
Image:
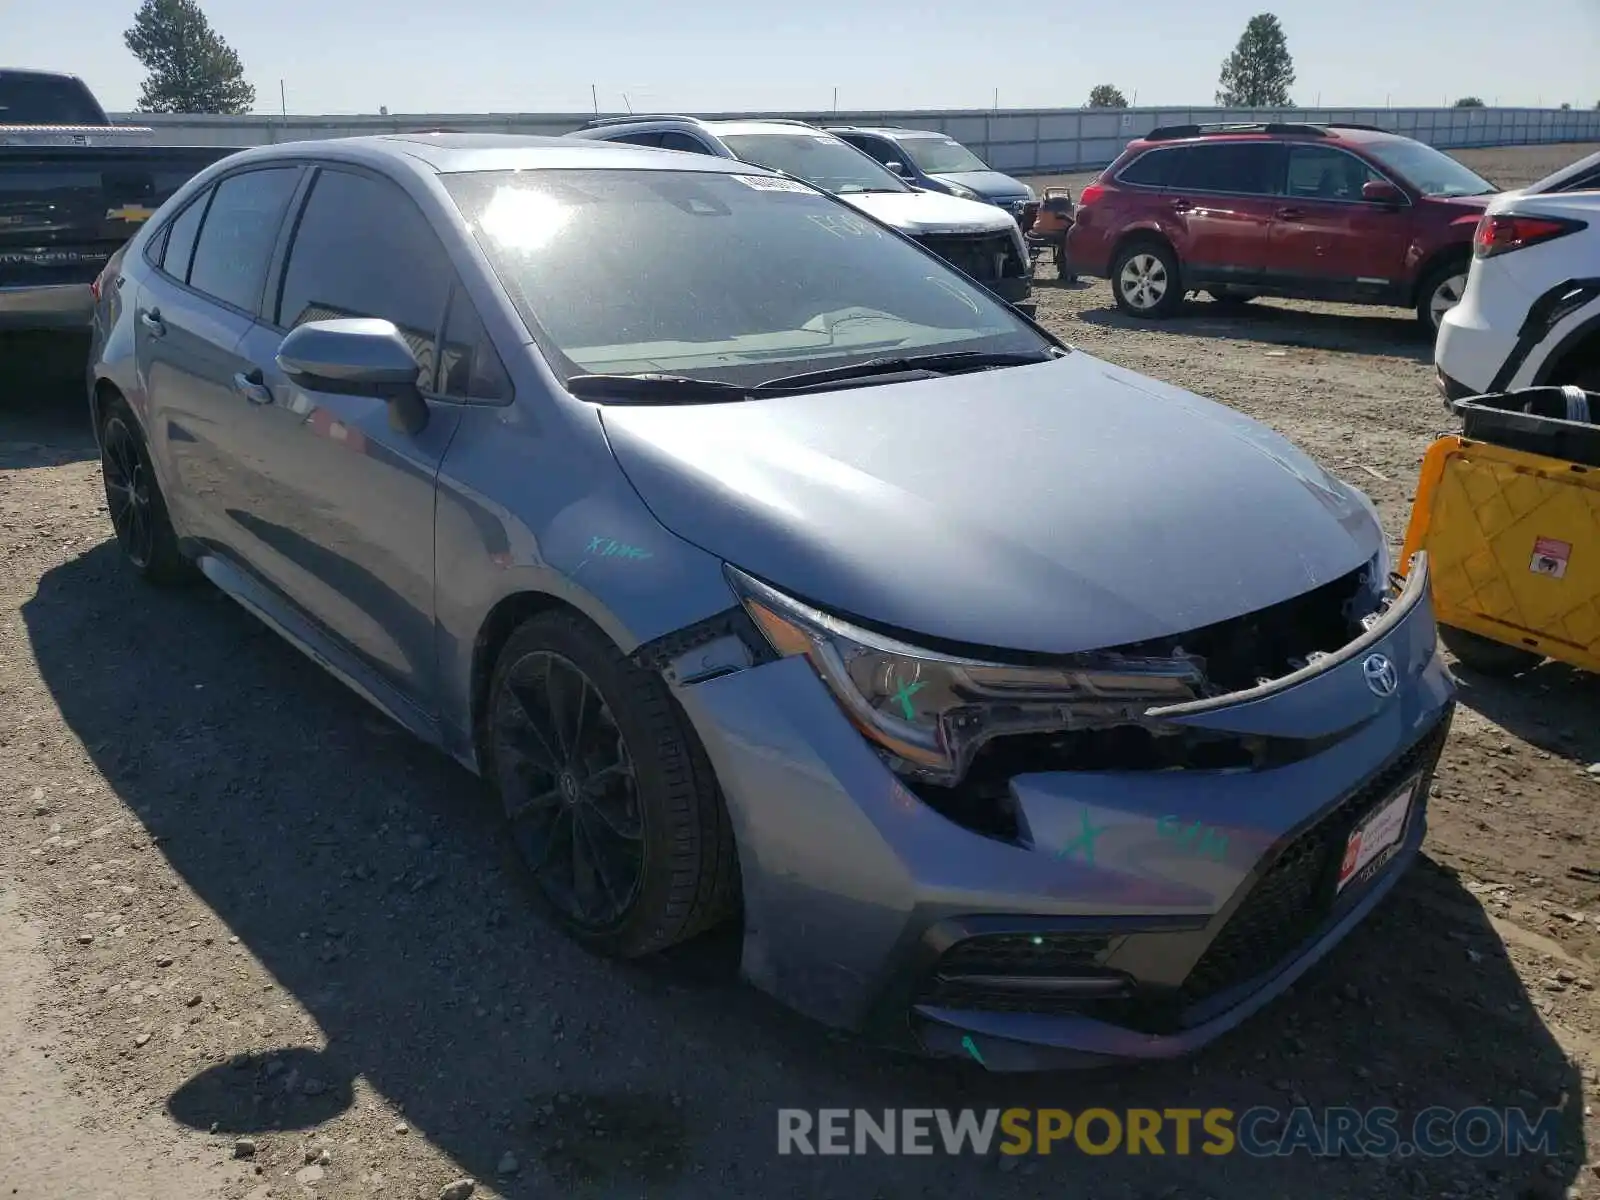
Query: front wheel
x=1441 y=291
x=1146 y=281
x=609 y=796
x=1487 y=656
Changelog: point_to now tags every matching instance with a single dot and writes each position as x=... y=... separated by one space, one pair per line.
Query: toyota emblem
x=1380 y=675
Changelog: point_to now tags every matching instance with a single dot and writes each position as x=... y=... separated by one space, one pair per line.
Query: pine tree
x=191 y=69
x=1259 y=71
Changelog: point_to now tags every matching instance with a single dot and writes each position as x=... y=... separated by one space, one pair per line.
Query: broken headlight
x=927 y=712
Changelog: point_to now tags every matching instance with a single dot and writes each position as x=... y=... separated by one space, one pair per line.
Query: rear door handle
x=150 y=318
x=252 y=386
x=1181 y=206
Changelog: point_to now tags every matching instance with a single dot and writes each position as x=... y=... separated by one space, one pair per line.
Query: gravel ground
x=255 y=942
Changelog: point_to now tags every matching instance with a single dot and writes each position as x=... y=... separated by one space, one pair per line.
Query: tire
x=1226 y=295
x=1487 y=656
x=137 y=508
x=623 y=775
x=1441 y=291
x=1146 y=280
x=1064 y=271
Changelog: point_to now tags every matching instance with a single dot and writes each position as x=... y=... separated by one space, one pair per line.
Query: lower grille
x=1295 y=896
x=985 y=257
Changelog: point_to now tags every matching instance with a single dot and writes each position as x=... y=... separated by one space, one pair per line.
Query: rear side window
x=240 y=229
x=1241 y=168
x=180 y=238
x=671 y=139
x=363 y=249
x=1154 y=168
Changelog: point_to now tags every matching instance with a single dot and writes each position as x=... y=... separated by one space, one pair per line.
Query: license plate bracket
x=1378 y=837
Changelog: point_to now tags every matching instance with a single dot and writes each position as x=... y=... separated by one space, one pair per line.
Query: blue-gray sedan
x=769 y=569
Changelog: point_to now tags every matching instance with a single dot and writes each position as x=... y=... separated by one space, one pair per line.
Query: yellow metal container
x=1513 y=542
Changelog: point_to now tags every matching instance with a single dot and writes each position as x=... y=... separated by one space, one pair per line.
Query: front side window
x=671 y=139
x=1430 y=171
x=819 y=158
x=363 y=249
x=653 y=140
x=1323 y=173
x=1239 y=168
x=941 y=155
x=469 y=367
x=240 y=229
x=880 y=149
x=180 y=238
x=734 y=278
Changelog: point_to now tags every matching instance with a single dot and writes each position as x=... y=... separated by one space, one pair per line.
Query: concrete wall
x=1017 y=140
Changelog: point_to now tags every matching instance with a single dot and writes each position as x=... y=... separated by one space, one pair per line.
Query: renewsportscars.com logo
x=1258 y=1132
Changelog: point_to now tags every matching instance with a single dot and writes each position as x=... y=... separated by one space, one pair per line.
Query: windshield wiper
x=655 y=389
x=949 y=363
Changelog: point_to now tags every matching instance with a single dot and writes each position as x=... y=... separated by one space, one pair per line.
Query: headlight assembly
x=929 y=712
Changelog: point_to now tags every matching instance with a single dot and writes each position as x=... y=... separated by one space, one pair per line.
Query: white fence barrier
x=1023 y=141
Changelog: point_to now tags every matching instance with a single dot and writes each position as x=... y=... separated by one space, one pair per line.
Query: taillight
x=1090 y=194
x=1507 y=232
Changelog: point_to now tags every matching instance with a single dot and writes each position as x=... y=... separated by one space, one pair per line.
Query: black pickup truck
x=73 y=188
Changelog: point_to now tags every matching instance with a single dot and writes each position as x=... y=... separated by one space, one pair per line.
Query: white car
x=1530 y=314
x=982 y=240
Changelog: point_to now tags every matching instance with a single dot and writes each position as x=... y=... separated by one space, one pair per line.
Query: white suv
x=1530 y=314
x=979 y=239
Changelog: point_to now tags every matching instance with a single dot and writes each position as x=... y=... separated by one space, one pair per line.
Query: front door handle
x=1181 y=206
x=1289 y=214
x=150 y=318
x=252 y=386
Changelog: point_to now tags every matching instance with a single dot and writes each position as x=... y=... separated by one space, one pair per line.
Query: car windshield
x=818 y=158
x=1430 y=171
x=732 y=278
x=940 y=155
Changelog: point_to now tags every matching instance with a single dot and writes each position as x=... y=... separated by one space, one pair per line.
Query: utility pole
x=836 y=101
x=627 y=102
x=283 y=99
x=594 y=95
x=997 y=100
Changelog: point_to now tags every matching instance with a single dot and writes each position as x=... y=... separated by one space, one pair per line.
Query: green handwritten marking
x=1200 y=839
x=966 y=1042
x=611 y=548
x=1084 y=841
x=908 y=690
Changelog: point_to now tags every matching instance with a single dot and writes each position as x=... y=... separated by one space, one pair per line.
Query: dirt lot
x=236 y=904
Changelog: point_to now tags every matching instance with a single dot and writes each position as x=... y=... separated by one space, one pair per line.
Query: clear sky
x=420 y=56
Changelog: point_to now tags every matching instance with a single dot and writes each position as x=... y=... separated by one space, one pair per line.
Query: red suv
x=1317 y=212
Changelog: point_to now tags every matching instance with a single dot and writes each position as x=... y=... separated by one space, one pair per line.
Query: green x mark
x=1084 y=841
x=908 y=690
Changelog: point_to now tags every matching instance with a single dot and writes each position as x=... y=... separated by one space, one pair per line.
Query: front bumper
x=856 y=891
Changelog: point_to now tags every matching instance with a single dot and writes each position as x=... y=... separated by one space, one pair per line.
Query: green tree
x=191 y=69
x=1565 y=105
x=1469 y=102
x=1259 y=71
x=1106 y=96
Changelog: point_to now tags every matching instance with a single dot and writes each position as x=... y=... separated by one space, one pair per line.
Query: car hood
x=989 y=184
x=918 y=213
x=1052 y=508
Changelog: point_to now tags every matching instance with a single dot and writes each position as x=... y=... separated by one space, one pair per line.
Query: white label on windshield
x=773 y=183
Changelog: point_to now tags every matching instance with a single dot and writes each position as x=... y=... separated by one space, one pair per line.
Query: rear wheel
x=138 y=510
x=1487 y=656
x=1441 y=291
x=1146 y=281
x=610 y=798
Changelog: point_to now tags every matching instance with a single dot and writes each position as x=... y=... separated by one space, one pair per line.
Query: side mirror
x=357 y=356
x=1381 y=191
x=896 y=167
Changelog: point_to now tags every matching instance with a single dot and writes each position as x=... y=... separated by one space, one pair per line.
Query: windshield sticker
x=841 y=225
x=774 y=183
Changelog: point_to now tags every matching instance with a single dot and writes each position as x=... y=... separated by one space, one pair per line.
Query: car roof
x=451 y=153
x=891 y=131
x=1304 y=133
